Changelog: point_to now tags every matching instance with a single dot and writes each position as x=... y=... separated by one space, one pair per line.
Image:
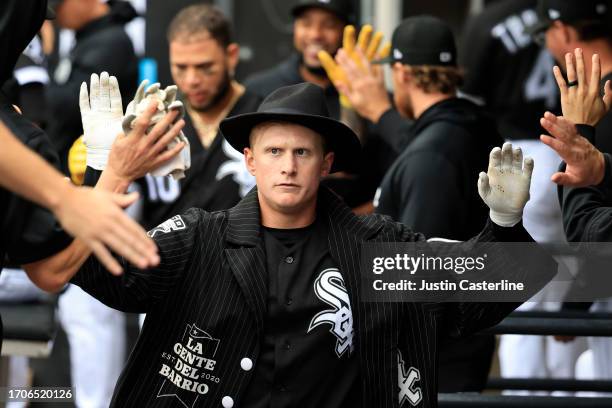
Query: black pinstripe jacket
x=206 y=304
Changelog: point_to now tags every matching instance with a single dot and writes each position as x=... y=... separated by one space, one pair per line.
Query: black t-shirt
x=307 y=357
x=506 y=69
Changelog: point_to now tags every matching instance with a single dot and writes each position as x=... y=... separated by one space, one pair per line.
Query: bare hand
x=96 y=217
x=366 y=92
x=138 y=153
x=582 y=103
x=585 y=164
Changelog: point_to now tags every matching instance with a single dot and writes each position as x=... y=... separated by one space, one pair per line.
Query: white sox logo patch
x=175 y=223
x=236 y=168
x=330 y=288
x=406 y=382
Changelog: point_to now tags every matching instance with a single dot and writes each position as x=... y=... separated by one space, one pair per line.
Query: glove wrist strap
x=505 y=219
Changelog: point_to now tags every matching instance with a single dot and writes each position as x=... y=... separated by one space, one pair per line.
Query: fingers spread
x=595 y=75
x=116 y=104
x=139 y=96
x=483 y=184
x=94 y=90
x=385 y=50
x=517 y=160
x=348 y=40
x=84 y=99
x=104 y=91
x=569 y=66
x=506 y=158
x=580 y=74
x=528 y=169
x=560 y=80
x=495 y=158
x=374 y=44
x=364 y=37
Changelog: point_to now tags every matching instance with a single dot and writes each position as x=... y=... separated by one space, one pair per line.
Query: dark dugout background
x=263 y=28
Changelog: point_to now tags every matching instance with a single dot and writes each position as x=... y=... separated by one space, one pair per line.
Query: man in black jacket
x=264 y=302
x=101 y=45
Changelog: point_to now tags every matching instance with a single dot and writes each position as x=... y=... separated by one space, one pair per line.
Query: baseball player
x=262 y=304
x=203 y=59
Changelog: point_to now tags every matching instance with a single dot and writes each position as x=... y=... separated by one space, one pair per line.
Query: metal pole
x=386 y=16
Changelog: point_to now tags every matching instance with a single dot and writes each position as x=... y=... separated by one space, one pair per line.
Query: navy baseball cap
x=422 y=40
x=569 y=11
x=343 y=9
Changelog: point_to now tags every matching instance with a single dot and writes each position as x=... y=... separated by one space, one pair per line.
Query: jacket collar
x=245 y=219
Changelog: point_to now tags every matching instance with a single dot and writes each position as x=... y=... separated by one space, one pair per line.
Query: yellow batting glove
x=77 y=156
x=334 y=72
x=367 y=43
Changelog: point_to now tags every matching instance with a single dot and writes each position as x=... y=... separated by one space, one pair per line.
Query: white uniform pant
x=524 y=356
x=96 y=334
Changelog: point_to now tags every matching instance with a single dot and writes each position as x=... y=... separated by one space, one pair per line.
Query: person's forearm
x=51 y=274
x=109 y=181
x=27 y=174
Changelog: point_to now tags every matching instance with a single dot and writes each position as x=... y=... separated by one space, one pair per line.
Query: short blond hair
x=436 y=79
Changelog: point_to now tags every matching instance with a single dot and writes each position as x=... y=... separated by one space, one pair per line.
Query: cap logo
x=445 y=56
x=601 y=8
x=554 y=14
x=397 y=54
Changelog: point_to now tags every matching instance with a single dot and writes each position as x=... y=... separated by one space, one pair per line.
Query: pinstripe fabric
x=213 y=278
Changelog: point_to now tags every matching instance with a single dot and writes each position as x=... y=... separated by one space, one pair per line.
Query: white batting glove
x=101 y=113
x=166 y=101
x=505 y=186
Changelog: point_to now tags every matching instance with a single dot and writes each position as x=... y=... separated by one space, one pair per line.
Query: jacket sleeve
x=587 y=211
x=421 y=206
x=538 y=267
x=136 y=290
x=462 y=319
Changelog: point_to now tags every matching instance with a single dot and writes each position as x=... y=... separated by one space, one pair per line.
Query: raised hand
x=581 y=101
x=101 y=114
x=362 y=51
x=584 y=163
x=165 y=102
x=505 y=185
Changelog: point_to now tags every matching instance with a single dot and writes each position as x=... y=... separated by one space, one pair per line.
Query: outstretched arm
x=95 y=217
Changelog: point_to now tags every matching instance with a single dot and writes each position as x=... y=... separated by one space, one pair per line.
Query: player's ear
x=328 y=160
x=233 y=51
x=249 y=160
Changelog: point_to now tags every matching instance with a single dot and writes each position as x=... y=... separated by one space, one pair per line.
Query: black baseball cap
x=422 y=40
x=341 y=8
x=569 y=11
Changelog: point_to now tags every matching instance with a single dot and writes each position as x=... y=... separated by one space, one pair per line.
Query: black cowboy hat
x=303 y=104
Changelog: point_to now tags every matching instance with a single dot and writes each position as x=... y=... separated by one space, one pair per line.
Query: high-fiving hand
x=581 y=101
x=101 y=113
x=165 y=102
x=361 y=52
x=505 y=186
